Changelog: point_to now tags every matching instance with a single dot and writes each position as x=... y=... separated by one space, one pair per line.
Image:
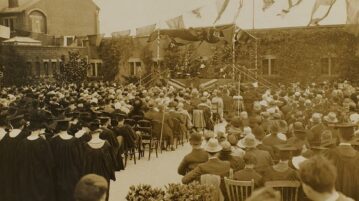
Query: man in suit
x=196 y=157
x=346 y=161
x=263 y=158
x=213 y=166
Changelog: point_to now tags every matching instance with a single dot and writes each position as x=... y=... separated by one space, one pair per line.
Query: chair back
x=215 y=181
x=130 y=122
x=144 y=123
x=137 y=118
x=288 y=189
x=238 y=190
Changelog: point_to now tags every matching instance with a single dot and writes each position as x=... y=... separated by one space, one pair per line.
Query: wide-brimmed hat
x=316 y=118
x=226 y=146
x=213 y=146
x=354 y=118
x=249 y=141
x=297 y=160
x=299 y=129
x=331 y=118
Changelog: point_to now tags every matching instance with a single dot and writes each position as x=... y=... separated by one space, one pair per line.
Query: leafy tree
x=146 y=57
x=113 y=52
x=75 y=70
x=13 y=66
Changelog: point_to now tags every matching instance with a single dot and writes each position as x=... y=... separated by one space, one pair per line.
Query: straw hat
x=249 y=141
x=213 y=146
x=316 y=118
x=331 y=118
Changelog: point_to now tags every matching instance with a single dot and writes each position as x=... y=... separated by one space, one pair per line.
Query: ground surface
x=157 y=172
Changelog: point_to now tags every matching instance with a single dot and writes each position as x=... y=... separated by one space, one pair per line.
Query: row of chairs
x=241 y=190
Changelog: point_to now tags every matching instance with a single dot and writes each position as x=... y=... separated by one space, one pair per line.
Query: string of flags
x=222 y=6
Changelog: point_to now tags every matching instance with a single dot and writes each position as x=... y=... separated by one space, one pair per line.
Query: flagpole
x=253 y=18
x=234 y=52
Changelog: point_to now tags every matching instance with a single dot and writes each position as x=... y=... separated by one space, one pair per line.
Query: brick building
x=59 y=26
x=315 y=53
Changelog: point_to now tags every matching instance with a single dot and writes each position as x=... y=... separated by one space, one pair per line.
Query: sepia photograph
x=179 y=100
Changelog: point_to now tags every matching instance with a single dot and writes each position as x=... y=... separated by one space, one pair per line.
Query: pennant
x=240 y=5
x=146 y=30
x=318 y=3
x=242 y=36
x=221 y=7
x=121 y=33
x=197 y=12
x=267 y=4
x=4 y=32
x=290 y=6
x=353 y=16
x=176 y=23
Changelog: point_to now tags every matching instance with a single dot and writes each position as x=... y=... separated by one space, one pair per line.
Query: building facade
x=59 y=26
x=312 y=53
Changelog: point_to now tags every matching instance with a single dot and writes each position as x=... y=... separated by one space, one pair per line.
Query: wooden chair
x=288 y=189
x=238 y=190
x=145 y=127
x=130 y=122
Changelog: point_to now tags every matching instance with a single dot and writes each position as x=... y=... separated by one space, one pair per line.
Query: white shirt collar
x=213 y=157
x=344 y=144
x=333 y=197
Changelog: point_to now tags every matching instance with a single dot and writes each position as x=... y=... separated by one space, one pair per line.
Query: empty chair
x=288 y=189
x=238 y=190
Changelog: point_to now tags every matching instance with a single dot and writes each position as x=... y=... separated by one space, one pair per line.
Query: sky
x=119 y=15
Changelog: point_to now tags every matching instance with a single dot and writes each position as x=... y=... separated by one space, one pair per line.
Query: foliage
x=145 y=193
x=173 y=57
x=75 y=70
x=299 y=51
x=190 y=192
x=14 y=67
x=130 y=79
x=146 y=57
x=113 y=52
x=172 y=192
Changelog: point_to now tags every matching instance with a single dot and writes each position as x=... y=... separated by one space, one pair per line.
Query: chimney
x=13 y=3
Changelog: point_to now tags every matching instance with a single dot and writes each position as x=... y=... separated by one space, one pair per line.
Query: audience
x=91 y=187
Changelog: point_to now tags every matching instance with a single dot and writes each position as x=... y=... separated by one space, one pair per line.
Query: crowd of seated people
x=274 y=133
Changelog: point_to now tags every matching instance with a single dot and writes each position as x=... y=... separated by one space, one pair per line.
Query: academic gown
x=35 y=180
x=67 y=166
x=346 y=160
x=2 y=167
x=9 y=164
x=100 y=161
x=110 y=137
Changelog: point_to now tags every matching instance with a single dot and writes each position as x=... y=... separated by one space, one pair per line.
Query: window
x=99 y=69
x=28 y=68
x=269 y=66
x=46 y=68
x=9 y=22
x=38 y=69
x=69 y=40
x=37 y=22
x=93 y=69
x=54 y=67
x=324 y=66
x=132 y=68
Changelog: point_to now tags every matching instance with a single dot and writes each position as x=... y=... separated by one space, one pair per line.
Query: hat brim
x=242 y=145
x=213 y=149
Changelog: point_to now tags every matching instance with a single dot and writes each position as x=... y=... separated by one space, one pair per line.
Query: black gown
x=110 y=137
x=67 y=167
x=2 y=167
x=35 y=174
x=9 y=164
x=100 y=161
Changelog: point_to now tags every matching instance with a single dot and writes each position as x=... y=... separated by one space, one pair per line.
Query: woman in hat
x=68 y=163
x=35 y=164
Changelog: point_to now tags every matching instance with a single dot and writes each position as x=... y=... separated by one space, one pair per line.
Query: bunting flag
x=146 y=30
x=121 y=33
x=176 y=23
x=267 y=4
x=240 y=5
x=242 y=36
x=353 y=16
x=4 y=32
x=183 y=36
x=197 y=12
x=290 y=6
x=319 y=3
x=221 y=7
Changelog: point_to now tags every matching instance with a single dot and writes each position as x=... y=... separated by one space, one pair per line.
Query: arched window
x=37 y=22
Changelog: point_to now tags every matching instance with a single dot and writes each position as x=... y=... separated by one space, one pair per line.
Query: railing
x=254 y=76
